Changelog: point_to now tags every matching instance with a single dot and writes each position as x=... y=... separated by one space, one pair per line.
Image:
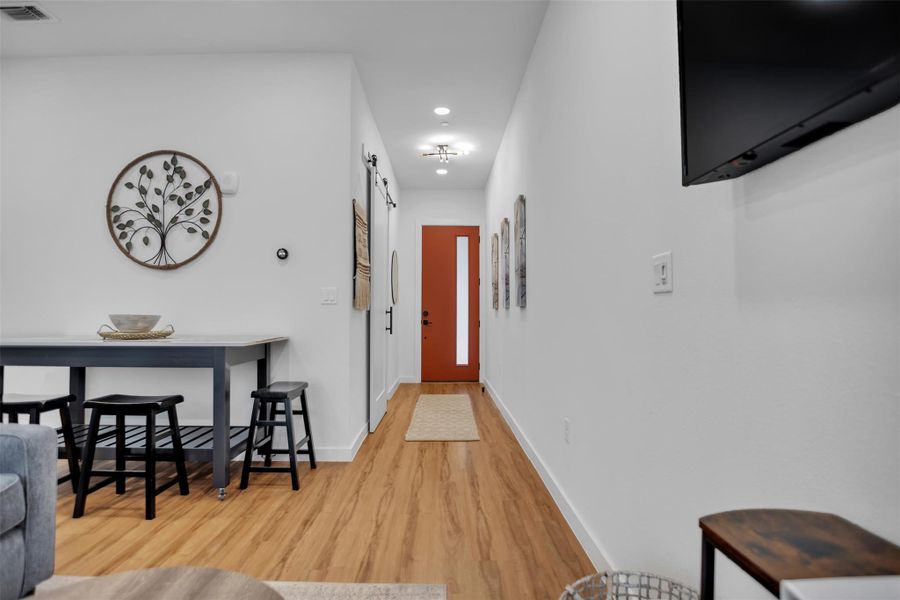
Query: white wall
x=427 y=207
x=768 y=379
x=283 y=122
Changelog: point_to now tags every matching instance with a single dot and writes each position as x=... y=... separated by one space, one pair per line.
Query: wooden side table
x=772 y=545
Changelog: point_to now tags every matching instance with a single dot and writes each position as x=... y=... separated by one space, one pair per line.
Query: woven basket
x=113 y=334
x=624 y=585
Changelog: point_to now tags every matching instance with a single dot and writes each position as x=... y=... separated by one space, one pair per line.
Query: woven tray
x=114 y=334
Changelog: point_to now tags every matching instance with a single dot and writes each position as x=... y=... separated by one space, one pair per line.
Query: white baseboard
x=393 y=388
x=348 y=454
x=599 y=557
x=354 y=448
x=408 y=379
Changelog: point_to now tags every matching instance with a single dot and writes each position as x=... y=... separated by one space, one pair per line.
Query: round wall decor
x=164 y=209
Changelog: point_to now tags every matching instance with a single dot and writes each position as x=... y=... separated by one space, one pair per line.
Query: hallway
x=474 y=515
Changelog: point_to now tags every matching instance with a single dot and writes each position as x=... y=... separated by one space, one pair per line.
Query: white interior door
x=380 y=282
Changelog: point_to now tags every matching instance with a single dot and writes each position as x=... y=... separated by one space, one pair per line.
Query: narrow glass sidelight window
x=462 y=300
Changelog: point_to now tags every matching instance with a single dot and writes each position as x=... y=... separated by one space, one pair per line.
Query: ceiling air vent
x=25 y=12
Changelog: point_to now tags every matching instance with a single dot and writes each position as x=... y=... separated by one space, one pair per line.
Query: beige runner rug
x=443 y=418
x=303 y=590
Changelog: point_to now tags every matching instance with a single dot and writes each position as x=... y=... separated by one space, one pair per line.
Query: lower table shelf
x=196 y=439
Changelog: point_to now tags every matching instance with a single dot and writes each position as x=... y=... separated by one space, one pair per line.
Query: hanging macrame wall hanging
x=361 y=274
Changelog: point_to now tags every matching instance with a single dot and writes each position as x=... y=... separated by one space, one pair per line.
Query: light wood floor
x=473 y=515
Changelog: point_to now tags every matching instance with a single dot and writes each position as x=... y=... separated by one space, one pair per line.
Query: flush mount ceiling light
x=443 y=152
x=442 y=111
x=441 y=171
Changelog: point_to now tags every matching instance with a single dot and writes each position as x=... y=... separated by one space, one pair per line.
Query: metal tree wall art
x=164 y=209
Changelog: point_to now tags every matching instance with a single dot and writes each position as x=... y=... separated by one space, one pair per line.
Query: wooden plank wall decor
x=504 y=248
x=495 y=272
x=520 y=251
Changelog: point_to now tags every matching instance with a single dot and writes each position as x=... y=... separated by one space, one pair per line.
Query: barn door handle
x=390 y=313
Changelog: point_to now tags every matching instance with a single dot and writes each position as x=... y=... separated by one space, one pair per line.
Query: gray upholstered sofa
x=27 y=507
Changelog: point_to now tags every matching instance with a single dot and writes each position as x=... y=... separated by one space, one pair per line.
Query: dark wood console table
x=772 y=545
x=217 y=443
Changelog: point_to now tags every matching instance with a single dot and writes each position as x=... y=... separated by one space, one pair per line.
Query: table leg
x=77 y=380
x=262 y=370
x=707 y=570
x=1 y=381
x=262 y=380
x=221 y=423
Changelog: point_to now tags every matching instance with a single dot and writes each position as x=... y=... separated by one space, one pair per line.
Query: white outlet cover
x=663 y=276
x=229 y=183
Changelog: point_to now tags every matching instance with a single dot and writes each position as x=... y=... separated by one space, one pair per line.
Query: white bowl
x=134 y=323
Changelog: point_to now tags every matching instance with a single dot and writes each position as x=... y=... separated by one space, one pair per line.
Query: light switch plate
x=662 y=273
x=329 y=295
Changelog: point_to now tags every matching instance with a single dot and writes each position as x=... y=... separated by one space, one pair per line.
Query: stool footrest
x=119 y=473
x=271 y=424
x=166 y=485
x=288 y=450
x=102 y=484
x=270 y=469
x=161 y=456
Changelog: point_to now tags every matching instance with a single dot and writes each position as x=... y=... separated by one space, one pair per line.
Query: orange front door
x=449 y=303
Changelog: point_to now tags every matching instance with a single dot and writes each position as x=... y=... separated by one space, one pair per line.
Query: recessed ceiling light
x=441 y=171
x=445 y=124
x=442 y=110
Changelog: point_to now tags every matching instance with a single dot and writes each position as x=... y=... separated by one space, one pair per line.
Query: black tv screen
x=761 y=79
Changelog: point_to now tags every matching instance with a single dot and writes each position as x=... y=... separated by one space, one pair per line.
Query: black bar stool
x=265 y=408
x=33 y=405
x=122 y=406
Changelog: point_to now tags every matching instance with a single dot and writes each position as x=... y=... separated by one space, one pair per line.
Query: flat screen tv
x=761 y=79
